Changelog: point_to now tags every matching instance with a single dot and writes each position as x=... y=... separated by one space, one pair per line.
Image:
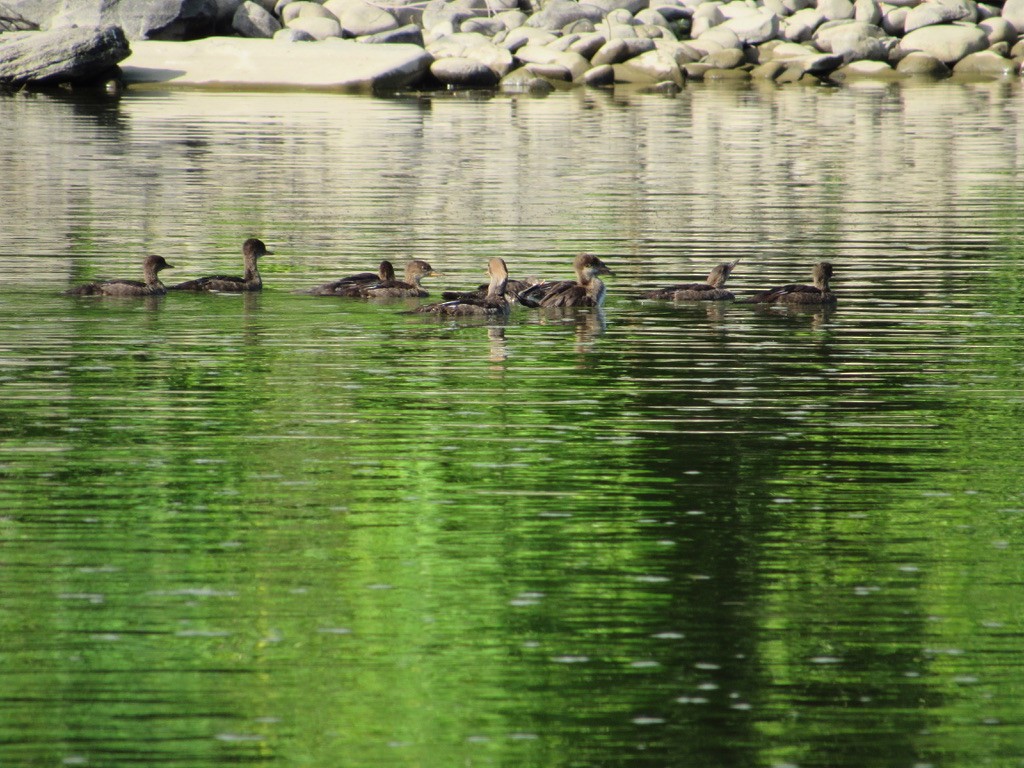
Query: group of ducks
x=491 y=299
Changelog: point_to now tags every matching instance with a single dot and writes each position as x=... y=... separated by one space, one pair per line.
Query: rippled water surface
x=289 y=530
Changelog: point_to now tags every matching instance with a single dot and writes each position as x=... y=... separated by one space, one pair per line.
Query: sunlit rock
x=463 y=73
x=727 y=58
x=522 y=80
x=319 y=27
x=410 y=34
x=940 y=12
x=358 y=18
x=999 y=30
x=285 y=35
x=653 y=66
x=920 y=64
x=868 y=11
x=599 y=76
x=801 y=25
x=835 y=10
x=1013 y=12
x=61 y=55
x=754 y=28
x=946 y=42
x=984 y=64
x=142 y=19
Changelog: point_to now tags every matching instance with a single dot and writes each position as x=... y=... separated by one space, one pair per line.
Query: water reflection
x=273 y=528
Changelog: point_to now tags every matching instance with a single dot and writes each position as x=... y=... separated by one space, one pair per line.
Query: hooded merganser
x=150 y=287
x=494 y=303
x=415 y=270
x=252 y=249
x=354 y=286
x=796 y=293
x=712 y=290
x=586 y=291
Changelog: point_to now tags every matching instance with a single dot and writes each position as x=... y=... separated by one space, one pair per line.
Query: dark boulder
x=66 y=55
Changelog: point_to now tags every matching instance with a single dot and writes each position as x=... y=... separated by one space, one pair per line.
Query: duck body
x=410 y=288
x=586 y=291
x=149 y=286
x=797 y=293
x=354 y=286
x=512 y=290
x=493 y=304
x=711 y=290
x=252 y=250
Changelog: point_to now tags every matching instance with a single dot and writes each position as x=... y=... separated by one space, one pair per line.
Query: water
x=288 y=530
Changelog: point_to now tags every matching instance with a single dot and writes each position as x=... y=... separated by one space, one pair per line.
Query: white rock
x=836 y=10
x=1013 y=12
x=940 y=12
x=802 y=25
x=319 y=27
x=868 y=11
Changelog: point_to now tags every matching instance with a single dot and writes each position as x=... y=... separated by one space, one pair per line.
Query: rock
x=253 y=20
x=727 y=58
x=512 y=19
x=320 y=27
x=517 y=38
x=894 y=21
x=706 y=16
x=489 y=27
x=551 y=71
x=920 y=64
x=715 y=40
x=946 y=42
x=755 y=28
x=867 y=11
x=1013 y=12
x=715 y=73
x=358 y=18
x=524 y=81
x=835 y=10
x=242 y=62
x=999 y=30
x=143 y=19
x=410 y=34
x=651 y=67
x=463 y=73
x=557 y=13
x=768 y=71
x=865 y=70
x=438 y=11
x=858 y=41
x=226 y=10
x=607 y=6
x=286 y=35
x=681 y=53
x=588 y=45
x=297 y=8
x=940 y=12
x=62 y=55
x=801 y=25
x=652 y=18
x=983 y=64
x=788 y=51
x=599 y=76
x=619 y=50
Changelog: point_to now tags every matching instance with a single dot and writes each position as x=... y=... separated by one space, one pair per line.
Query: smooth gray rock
x=358 y=18
x=522 y=80
x=62 y=55
x=1013 y=12
x=946 y=42
x=512 y=19
x=409 y=34
x=307 y=8
x=801 y=26
x=836 y=10
x=27 y=14
x=846 y=30
x=319 y=27
x=651 y=67
x=557 y=13
x=940 y=12
x=253 y=20
x=999 y=30
x=463 y=73
x=143 y=19
x=920 y=64
x=984 y=64
x=607 y=6
x=599 y=77
x=727 y=58
x=438 y=11
x=475 y=47
x=517 y=38
x=867 y=11
x=865 y=70
x=894 y=21
x=588 y=45
x=285 y=35
x=755 y=28
x=483 y=26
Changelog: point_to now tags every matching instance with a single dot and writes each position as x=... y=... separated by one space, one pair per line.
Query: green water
x=287 y=530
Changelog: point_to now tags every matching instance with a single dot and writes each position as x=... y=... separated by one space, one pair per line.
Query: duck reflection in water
x=149 y=286
x=587 y=290
x=252 y=250
x=711 y=290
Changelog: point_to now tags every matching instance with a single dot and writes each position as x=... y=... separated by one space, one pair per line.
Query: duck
x=711 y=290
x=150 y=286
x=493 y=304
x=795 y=293
x=354 y=285
x=512 y=290
x=415 y=271
x=252 y=249
x=586 y=291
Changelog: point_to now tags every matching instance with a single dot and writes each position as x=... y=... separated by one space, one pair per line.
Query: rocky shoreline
x=518 y=45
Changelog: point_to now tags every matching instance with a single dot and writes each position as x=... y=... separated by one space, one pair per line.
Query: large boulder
x=940 y=12
x=754 y=28
x=984 y=64
x=143 y=19
x=1013 y=12
x=253 y=20
x=946 y=42
x=360 y=18
x=62 y=55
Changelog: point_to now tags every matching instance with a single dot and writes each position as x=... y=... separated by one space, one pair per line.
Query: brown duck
x=151 y=285
x=712 y=290
x=354 y=286
x=795 y=293
x=493 y=304
x=415 y=271
x=586 y=291
x=252 y=249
